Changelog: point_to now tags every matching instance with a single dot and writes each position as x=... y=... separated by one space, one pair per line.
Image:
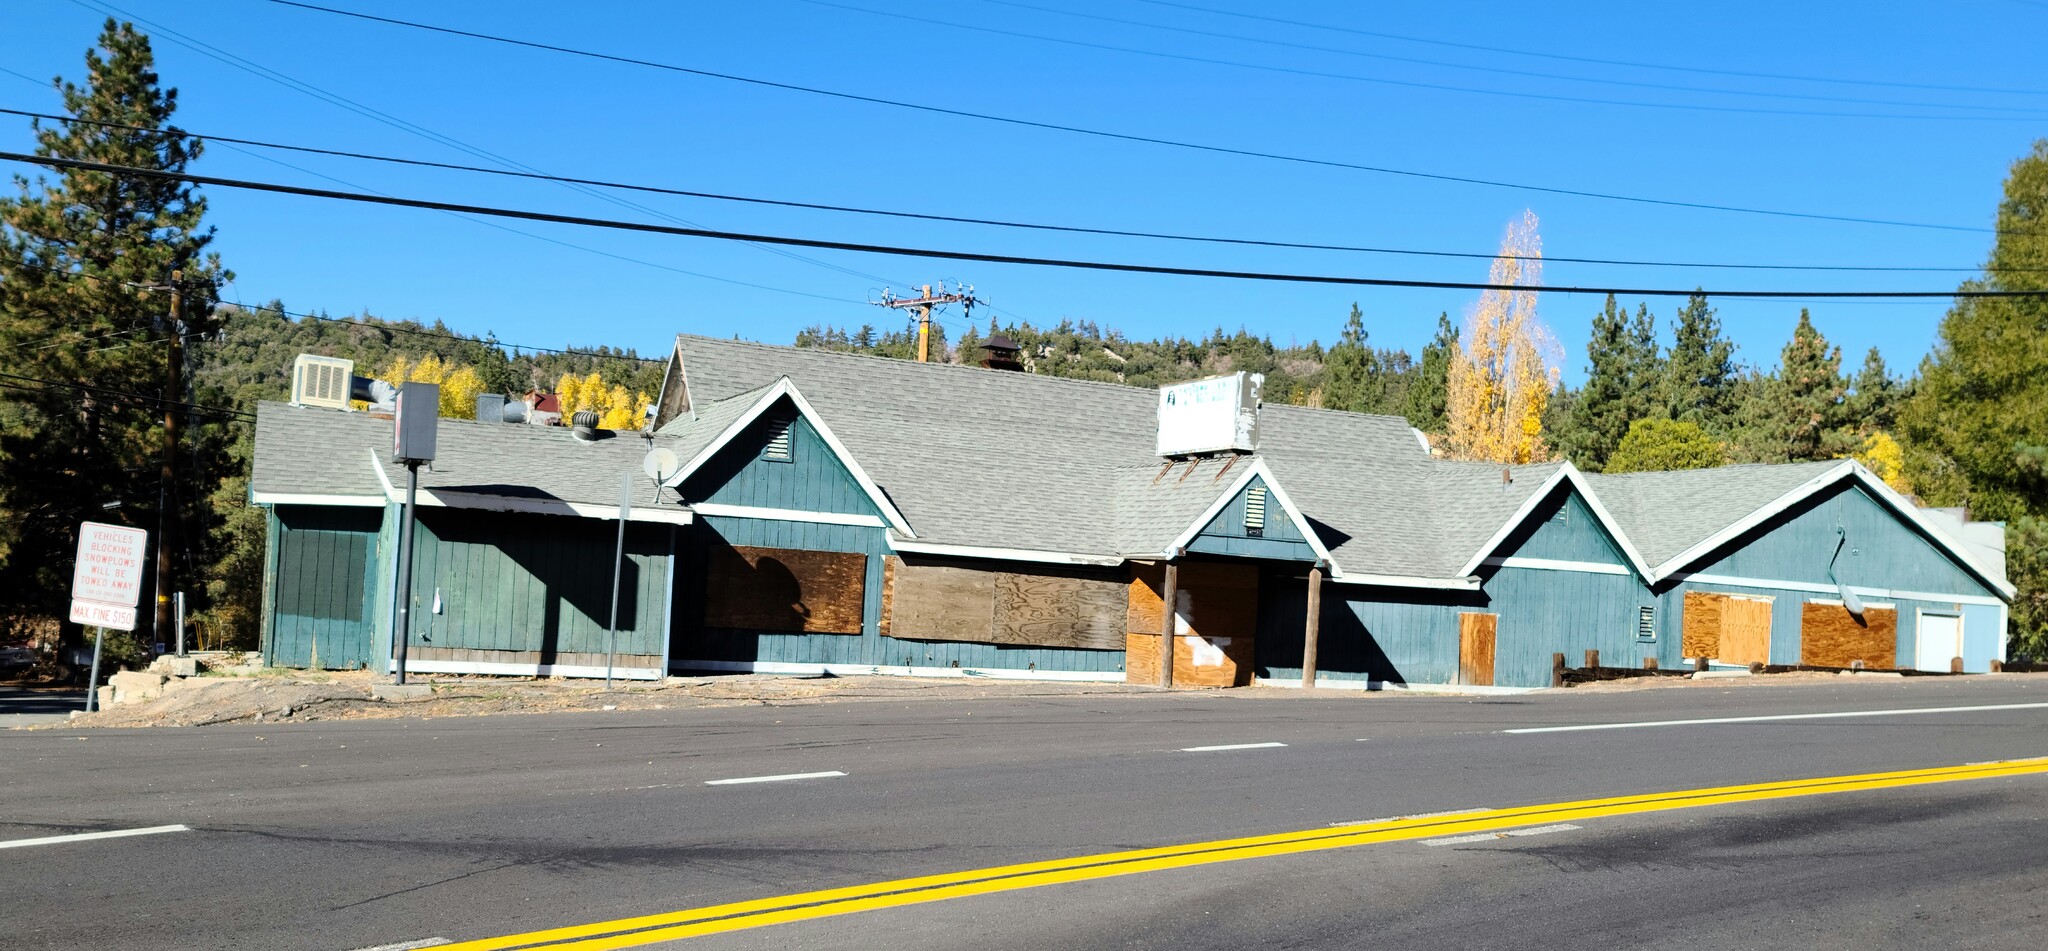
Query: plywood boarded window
x=782 y=589
x=1050 y=607
x=1733 y=629
x=1829 y=636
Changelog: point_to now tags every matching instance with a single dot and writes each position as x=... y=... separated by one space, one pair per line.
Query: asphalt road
x=337 y=836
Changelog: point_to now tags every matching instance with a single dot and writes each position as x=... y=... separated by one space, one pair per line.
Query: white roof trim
x=909 y=547
x=455 y=499
x=718 y=510
x=1850 y=470
x=786 y=387
x=1565 y=473
x=1258 y=469
x=1408 y=581
x=301 y=498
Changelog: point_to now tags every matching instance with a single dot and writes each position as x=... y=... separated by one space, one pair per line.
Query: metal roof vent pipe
x=585 y=422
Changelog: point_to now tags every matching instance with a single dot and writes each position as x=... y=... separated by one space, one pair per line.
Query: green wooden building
x=851 y=514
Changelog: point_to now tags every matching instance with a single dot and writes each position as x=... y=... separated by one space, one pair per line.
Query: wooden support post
x=1557 y=670
x=924 y=328
x=1955 y=665
x=1649 y=663
x=1997 y=666
x=1592 y=658
x=1168 y=593
x=1313 y=629
x=1699 y=663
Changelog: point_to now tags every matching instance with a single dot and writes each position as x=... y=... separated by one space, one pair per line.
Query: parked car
x=15 y=657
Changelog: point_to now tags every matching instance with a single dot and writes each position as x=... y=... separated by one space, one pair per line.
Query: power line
x=2027 y=115
x=1594 y=60
x=1266 y=41
x=924 y=216
x=1126 y=136
x=376 y=325
x=131 y=396
x=413 y=128
x=650 y=228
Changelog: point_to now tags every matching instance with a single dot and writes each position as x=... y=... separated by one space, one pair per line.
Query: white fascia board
x=1848 y=470
x=1407 y=581
x=1565 y=473
x=785 y=515
x=1258 y=469
x=449 y=498
x=1558 y=564
x=1815 y=587
x=912 y=547
x=787 y=387
x=298 y=498
x=858 y=670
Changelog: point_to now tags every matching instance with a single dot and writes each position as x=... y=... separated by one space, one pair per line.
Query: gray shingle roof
x=310 y=450
x=1665 y=513
x=987 y=458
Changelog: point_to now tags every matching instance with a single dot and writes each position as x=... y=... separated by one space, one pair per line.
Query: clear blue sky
x=602 y=120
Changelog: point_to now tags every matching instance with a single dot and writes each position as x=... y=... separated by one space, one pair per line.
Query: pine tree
x=1699 y=377
x=83 y=262
x=1623 y=384
x=1976 y=426
x=1428 y=398
x=1807 y=396
x=1873 y=403
x=1347 y=370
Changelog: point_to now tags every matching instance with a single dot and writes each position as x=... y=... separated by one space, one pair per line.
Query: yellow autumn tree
x=1502 y=371
x=616 y=408
x=460 y=384
x=1882 y=455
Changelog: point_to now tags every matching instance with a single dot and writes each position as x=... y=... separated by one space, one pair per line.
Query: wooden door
x=1939 y=641
x=1475 y=648
x=1745 y=630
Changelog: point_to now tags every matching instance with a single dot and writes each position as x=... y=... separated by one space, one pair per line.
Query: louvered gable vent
x=1255 y=511
x=779 y=448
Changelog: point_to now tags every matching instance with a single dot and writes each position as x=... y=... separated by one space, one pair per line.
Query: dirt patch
x=272 y=697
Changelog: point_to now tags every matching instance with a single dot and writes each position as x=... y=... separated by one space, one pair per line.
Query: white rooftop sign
x=1216 y=414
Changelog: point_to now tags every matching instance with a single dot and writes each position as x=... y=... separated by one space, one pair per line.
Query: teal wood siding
x=1226 y=533
x=695 y=642
x=1384 y=635
x=1565 y=530
x=535 y=583
x=1882 y=551
x=1545 y=612
x=812 y=480
x=321 y=586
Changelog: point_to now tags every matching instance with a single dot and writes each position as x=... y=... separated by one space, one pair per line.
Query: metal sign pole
x=611 y=628
x=180 y=604
x=401 y=634
x=92 y=681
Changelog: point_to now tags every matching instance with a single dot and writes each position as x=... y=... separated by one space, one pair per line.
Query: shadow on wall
x=485 y=564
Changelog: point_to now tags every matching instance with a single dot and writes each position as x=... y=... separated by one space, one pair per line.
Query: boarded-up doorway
x=1216 y=618
x=1829 y=636
x=1475 y=648
x=1730 y=628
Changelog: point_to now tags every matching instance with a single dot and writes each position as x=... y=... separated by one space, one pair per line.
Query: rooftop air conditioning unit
x=322 y=381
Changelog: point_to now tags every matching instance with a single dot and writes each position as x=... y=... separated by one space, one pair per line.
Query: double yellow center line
x=804 y=906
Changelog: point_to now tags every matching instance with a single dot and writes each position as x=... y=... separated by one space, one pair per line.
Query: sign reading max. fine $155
x=106 y=582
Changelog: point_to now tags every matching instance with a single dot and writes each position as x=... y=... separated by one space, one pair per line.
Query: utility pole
x=167 y=487
x=962 y=294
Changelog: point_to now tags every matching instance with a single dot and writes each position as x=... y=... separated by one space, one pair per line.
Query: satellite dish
x=660 y=464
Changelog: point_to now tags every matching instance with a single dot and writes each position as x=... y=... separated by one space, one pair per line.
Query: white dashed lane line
x=772 y=779
x=1497 y=836
x=1231 y=746
x=88 y=836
